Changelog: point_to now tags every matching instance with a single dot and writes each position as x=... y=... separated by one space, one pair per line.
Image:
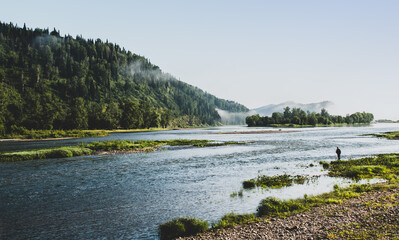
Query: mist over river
x=128 y=195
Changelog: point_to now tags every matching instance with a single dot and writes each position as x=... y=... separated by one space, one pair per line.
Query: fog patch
x=234 y=118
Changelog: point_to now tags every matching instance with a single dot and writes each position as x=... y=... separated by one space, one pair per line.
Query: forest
x=297 y=116
x=49 y=81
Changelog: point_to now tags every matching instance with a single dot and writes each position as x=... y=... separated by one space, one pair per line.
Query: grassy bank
x=22 y=133
x=290 y=125
x=50 y=134
x=105 y=147
x=385 y=166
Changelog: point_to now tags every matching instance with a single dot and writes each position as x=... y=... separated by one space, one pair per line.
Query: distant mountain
x=268 y=110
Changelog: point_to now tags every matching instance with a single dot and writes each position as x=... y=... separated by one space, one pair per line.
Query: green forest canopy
x=297 y=116
x=52 y=82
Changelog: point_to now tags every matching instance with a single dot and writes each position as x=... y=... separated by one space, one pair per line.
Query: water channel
x=128 y=195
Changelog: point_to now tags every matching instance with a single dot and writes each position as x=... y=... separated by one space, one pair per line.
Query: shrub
x=248 y=184
x=326 y=165
x=271 y=205
x=182 y=227
x=274 y=181
x=59 y=153
x=361 y=188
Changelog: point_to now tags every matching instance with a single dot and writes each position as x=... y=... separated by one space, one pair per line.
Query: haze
x=252 y=52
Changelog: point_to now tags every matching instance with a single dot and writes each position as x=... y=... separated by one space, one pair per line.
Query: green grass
x=388 y=135
x=382 y=166
x=325 y=165
x=104 y=146
x=45 y=134
x=281 y=208
x=182 y=227
x=137 y=130
x=232 y=219
x=278 y=181
x=273 y=206
x=61 y=152
x=22 y=133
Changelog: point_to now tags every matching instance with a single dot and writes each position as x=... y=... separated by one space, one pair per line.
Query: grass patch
x=388 y=135
x=232 y=219
x=280 y=208
x=325 y=165
x=383 y=166
x=137 y=130
x=61 y=152
x=22 y=133
x=278 y=181
x=182 y=227
x=45 y=134
x=274 y=206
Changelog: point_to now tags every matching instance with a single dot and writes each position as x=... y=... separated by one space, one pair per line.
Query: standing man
x=338 y=151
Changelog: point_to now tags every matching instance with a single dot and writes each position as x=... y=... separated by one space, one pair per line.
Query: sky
x=253 y=52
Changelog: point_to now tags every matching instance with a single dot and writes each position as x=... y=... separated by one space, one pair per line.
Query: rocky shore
x=373 y=215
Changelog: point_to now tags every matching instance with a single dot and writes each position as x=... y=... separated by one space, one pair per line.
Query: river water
x=128 y=195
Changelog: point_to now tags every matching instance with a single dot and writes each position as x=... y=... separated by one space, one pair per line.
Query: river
x=127 y=196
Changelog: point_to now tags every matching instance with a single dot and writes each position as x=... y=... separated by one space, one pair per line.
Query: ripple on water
x=129 y=195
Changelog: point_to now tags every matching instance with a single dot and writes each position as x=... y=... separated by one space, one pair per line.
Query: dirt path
x=374 y=215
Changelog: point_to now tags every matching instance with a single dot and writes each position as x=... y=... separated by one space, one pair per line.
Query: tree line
x=52 y=82
x=297 y=116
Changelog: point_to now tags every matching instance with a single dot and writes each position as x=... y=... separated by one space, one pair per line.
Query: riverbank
x=106 y=148
x=49 y=135
x=258 y=132
x=296 y=218
x=373 y=215
x=291 y=125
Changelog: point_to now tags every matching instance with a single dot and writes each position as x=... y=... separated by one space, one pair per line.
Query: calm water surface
x=127 y=196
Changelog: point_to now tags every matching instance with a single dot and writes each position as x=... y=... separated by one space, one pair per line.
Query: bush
x=248 y=184
x=361 y=188
x=59 y=153
x=326 y=165
x=271 y=205
x=182 y=227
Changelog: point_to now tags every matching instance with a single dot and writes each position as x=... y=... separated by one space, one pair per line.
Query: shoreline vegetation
x=33 y=135
x=388 y=135
x=106 y=147
x=257 y=132
x=373 y=208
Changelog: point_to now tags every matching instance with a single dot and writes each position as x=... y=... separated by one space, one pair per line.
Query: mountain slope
x=268 y=110
x=48 y=81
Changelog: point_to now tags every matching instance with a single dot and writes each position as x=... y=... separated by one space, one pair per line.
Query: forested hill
x=51 y=81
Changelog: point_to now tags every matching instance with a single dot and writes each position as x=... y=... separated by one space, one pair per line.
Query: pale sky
x=252 y=52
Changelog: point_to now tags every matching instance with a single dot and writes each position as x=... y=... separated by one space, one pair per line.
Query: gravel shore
x=373 y=215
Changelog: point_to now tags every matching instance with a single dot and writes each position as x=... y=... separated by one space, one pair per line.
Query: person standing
x=338 y=151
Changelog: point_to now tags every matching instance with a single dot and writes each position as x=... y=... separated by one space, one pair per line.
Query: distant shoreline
x=258 y=132
x=33 y=139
